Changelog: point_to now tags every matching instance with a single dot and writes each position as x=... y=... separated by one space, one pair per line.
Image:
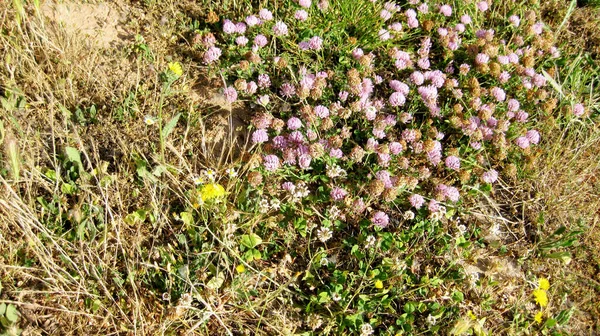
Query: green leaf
x=564 y=316
x=458 y=296
x=251 y=240
x=11 y=313
x=187 y=218
x=2 y=308
x=170 y=125
x=216 y=282
x=550 y=323
x=73 y=155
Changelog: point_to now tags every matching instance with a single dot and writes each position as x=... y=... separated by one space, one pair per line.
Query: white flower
x=324 y=234
x=275 y=204
x=336 y=297
x=366 y=329
x=198 y=180
x=231 y=172
x=409 y=215
x=431 y=320
x=263 y=206
x=370 y=242
x=334 y=212
x=210 y=174
x=462 y=228
x=335 y=171
x=324 y=261
x=150 y=120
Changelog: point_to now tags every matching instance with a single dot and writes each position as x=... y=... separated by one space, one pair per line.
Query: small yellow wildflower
x=240 y=268
x=212 y=190
x=378 y=284
x=544 y=284
x=538 y=317
x=175 y=67
x=541 y=297
x=471 y=315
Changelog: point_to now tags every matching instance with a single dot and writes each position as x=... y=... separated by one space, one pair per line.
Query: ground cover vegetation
x=299 y=168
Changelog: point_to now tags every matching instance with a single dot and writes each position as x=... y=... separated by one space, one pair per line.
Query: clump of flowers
x=425 y=104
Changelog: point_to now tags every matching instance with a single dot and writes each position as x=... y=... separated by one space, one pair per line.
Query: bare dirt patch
x=101 y=22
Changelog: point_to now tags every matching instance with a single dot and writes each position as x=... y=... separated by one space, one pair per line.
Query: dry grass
x=100 y=286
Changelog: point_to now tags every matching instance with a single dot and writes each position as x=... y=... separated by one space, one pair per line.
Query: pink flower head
x=384 y=34
x=260 y=136
x=380 y=219
x=288 y=186
x=578 y=110
x=395 y=148
x=417 y=78
x=452 y=162
x=385 y=14
x=490 y=176
x=294 y=123
x=482 y=58
x=412 y=22
x=264 y=81
x=280 y=29
x=241 y=40
x=315 y=43
x=396 y=26
x=301 y=15
x=252 y=21
x=465 y=19
x=423 y=8
x=416 y=201
x=482 y=6
x=514 y=20
x=400 y=87
x=522 y=142
x=304 y=3
x=338 y=194
x=410 y=13
x=434 y=206
x=211 y=55
x=452 y=194
x=538 y=28
x=271 y=162
x=240 y=28
x=251 y=88
x=228 y=27
x=383 y=159
x=260 y=40
x=279 y=142
x=336 y=153
x=460 y=27
x=397 y=99
x=533 y=136
x=265 y=14
x=498 y=94
x=521 y=116
x=321 y=111
x=304 y=161
x=230 y=94
x=446 y=10
x=287 y=90
x=513 y=105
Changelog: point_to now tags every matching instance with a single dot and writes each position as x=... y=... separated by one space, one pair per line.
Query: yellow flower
x=378 y=284
x=541 y=297
x=240 y=268
x=544 y=284
x=538 y=317
x=471 y=315
x=212 y=190
x=175 y=67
